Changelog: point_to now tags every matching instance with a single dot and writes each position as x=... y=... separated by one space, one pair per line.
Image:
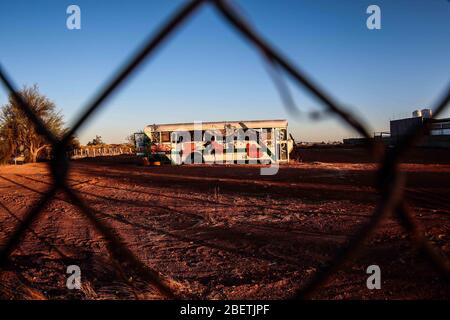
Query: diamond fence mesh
x=390 y=181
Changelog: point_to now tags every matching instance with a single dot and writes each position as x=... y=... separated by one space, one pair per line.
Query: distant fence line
x=91 y=152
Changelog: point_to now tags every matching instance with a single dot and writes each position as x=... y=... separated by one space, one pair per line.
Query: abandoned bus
x=262 y=141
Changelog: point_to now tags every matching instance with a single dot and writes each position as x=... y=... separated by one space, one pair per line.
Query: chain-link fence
x=390 y=182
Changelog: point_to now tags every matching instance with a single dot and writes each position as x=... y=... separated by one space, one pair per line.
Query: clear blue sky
x=206 y=72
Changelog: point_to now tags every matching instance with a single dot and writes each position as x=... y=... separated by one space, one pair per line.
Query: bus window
x=165 y=136
x=155 y=135
x=267 y=134
x=196 y=135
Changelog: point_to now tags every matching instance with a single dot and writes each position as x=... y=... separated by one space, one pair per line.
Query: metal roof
x=253 y=124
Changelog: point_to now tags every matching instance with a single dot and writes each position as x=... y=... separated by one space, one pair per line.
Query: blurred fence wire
x=390 y=180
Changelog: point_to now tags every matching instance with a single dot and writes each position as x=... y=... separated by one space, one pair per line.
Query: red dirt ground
x=223 y=232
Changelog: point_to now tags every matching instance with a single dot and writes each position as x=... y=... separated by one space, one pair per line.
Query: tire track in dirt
x=239 y=252
x=203 y=218
x=50 y=221
x=240 y=248
x=262 y=252
x=215 y=201
x=242 y=252
x=299 y=190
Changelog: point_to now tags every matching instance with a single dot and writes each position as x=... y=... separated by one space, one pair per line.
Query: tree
x=97 y=141
x=73 y=144
x=18 y=134
x=131 y=140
